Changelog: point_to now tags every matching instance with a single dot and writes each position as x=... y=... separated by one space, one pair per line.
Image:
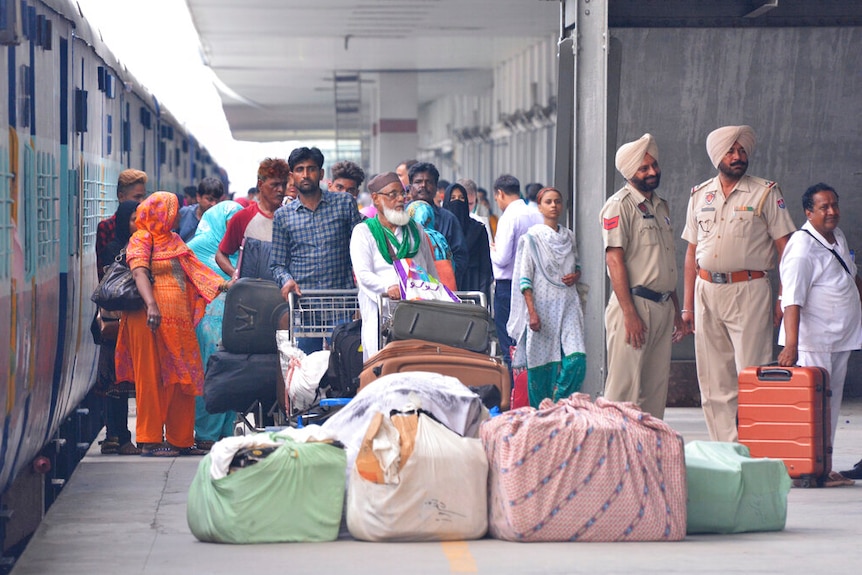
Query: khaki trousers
x=733 y=330
x=639 y=375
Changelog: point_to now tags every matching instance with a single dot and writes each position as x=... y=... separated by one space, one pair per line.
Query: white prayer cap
x=631 y=156
x=719 y=141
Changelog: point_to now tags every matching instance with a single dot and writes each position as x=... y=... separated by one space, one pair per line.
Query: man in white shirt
x=517 y=218
x=373 y=246
x=822 y=320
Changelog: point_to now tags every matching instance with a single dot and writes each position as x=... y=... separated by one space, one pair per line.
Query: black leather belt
x=647 y=293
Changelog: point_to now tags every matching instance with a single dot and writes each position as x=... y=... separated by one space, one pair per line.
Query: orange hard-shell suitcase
x=472 y=369
x=784 y=414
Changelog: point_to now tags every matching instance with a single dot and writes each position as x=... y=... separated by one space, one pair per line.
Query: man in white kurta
x=374 y=273
x=821 y=300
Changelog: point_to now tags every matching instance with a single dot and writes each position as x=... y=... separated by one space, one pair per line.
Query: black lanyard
x=834 y=253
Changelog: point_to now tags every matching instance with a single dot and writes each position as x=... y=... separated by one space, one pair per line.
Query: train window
x=47 y=212
x=40 y=29
x=106 y=82
x=95 y=202
x=6 y=232
x=127 y=136
x=177 y=157
x=47 y=30
x=26 y=96
x=80 y=110
x=10 y=22
x=31 y=22
x=109 y=127
x=27 y=216
x=146 y=118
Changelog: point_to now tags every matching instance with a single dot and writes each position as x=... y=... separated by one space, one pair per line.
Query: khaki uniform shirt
x=641 y=227
x=730 y=236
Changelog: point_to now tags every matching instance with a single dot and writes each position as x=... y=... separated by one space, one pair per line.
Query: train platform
x=127 y=515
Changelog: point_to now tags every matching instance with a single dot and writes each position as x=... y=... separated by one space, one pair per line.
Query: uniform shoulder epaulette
x=700 y=186
x=762 y=182
x=621 y=194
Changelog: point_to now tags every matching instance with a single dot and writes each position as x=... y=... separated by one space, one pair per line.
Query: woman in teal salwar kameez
x=210 y=427
x=546 y=319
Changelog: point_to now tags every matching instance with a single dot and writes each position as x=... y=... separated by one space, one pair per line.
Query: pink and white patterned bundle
x=583 y=471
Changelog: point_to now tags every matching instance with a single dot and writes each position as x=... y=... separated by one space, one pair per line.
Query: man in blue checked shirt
x=311 y=235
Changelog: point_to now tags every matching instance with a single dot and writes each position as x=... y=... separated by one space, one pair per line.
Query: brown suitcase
x=784 y=414
x=472 y=369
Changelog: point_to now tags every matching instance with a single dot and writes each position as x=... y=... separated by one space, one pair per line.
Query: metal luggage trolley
x=315 y=315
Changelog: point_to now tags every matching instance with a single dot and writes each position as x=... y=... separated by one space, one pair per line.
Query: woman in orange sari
x=157 y=347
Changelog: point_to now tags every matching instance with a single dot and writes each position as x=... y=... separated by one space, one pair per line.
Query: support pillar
x=586 y=21
x=395 y=134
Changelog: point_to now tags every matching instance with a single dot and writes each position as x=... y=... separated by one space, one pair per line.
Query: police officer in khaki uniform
x=735 y=224
x=643 y=311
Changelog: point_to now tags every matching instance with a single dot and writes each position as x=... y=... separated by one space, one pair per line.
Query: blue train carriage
x=75 y=118
x=35 y=153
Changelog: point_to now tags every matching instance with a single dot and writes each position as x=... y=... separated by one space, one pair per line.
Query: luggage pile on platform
x=417 y=456
x=424 y=461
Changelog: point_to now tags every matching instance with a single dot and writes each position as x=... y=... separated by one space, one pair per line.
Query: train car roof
x=92 y=36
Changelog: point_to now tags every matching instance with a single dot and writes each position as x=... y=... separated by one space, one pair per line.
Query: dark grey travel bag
x=462 y=325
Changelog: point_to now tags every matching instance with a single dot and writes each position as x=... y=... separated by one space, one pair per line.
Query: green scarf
x=404 y=249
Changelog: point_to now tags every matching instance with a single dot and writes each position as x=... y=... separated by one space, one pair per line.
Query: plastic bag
x=302 y=373
x=429 y=487
x=729 y=492
x=294 y=494
x=416 y=283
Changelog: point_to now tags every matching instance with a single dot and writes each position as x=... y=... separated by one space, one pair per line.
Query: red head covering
x=155 y=240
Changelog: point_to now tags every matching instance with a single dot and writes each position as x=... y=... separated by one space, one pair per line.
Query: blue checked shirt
x=313 y=248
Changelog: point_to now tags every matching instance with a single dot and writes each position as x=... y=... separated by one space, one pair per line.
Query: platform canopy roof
x=278 y=59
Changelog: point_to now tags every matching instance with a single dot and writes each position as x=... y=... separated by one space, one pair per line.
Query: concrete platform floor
x=127 y=515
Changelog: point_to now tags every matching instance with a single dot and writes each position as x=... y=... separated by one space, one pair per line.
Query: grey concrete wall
x=799 y=88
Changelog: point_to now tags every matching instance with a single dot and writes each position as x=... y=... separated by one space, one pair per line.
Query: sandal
x=110 y=446
x=204 y=444
x=129 y=448
x=193 y=450
x=159 y=450
x=835 y=479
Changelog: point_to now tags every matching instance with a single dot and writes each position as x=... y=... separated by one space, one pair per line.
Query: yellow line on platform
x=460 y=558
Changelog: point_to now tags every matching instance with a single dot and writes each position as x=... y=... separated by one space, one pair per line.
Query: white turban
x=719 y=141
x=630 y=156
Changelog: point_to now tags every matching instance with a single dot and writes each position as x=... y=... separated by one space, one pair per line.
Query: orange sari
x=166 y=364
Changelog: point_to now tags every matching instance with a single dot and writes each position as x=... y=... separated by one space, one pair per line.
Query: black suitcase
x=345 y=360
x=251 y=312
x=254 y=261
x=462 y=325
x=233 y=381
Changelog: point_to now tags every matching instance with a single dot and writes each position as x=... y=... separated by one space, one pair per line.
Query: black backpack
x=345 y=360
